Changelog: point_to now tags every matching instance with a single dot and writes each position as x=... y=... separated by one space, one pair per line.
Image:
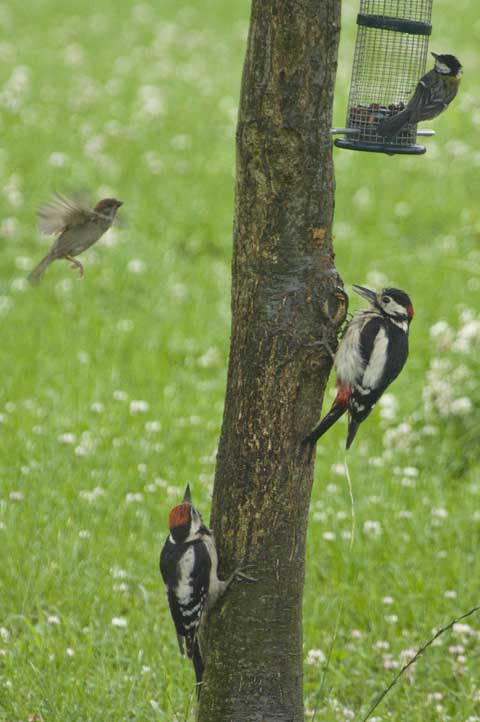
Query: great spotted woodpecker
x=188 y=564
x=370 y=355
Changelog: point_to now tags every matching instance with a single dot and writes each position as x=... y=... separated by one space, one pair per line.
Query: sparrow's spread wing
x=61 y=212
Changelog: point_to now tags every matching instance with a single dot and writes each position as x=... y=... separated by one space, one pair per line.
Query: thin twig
x=394 y=681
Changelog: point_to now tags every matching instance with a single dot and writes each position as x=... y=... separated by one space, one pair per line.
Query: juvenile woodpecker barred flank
x=370 y=355
x=188 y=565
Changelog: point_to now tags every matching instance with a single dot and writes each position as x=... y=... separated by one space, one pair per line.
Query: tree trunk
x=284 y=299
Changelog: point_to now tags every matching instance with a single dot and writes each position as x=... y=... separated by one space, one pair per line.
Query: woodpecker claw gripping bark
x=370 y=355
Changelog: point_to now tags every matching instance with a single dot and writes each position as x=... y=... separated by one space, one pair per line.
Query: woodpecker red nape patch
x=343 y=396
x=179 y=515
x=410 y=311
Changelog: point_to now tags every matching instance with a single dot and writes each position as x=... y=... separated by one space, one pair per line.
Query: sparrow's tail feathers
x=197 y=665
x=37 y=274
x=324 y=424
x=392 y=126
x=352 y=430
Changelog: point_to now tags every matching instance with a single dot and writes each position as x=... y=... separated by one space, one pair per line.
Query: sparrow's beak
x=371 y=296
x=186 y=496
x=119 y=203
x=435 y=55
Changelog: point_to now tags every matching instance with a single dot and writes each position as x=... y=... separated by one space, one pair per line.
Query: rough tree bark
x=283 y=299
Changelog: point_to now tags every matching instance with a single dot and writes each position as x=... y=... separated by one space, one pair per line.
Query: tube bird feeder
x=390 y=58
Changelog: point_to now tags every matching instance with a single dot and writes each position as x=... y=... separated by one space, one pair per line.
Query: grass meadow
x=112 y=388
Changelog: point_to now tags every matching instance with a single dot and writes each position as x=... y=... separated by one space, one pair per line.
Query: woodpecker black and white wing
x=61 y=212
x=384 y=347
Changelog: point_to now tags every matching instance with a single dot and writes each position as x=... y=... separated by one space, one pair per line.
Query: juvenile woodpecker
x=369 y=357
x=188 y=565
x=434 y=92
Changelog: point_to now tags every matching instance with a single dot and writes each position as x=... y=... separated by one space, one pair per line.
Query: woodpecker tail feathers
x=352 y=430
x=392 y=126
x=197 y=665
x=324 y=424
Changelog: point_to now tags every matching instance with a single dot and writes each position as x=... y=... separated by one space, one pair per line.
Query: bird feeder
x=390 y=58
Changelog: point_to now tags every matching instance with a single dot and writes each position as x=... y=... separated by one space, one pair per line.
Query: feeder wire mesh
x=389 y=60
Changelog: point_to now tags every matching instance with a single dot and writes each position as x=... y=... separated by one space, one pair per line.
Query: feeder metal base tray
x=387 y=148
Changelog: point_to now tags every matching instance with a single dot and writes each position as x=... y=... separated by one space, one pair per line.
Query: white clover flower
x=67 y=438
x=328 y=535
x=134 y=497
x=153 y=161
x=391 y=618
x=119 y=395
x=136 y=265
x=150 y=101
x=399 y=437
x=118 y=573
x=372 y=529
x=389 y=662
x=139 y=407
x=388 y=407
x=211 y=357
x=23 y=263
x=58 y=160
x=456 y=649
x=450 y=594
x=439 y=513
x=442 y=334
x=73 y=54
x=119 y=622
x=122 y=587
x=465 y=629
x=362 y=198
x=93 y=495
x=461 y=406
x=316 y=657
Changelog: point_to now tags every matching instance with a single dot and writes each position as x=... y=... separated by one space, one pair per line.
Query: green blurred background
x=112 y=388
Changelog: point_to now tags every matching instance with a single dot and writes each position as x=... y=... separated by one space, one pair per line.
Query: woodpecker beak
x=186 y=497
x=371 y=296
x=435 y=55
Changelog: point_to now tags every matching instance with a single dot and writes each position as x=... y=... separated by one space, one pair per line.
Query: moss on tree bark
x=283 y=301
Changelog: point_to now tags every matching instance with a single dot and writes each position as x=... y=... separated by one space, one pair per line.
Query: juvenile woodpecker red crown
x=179 y=515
